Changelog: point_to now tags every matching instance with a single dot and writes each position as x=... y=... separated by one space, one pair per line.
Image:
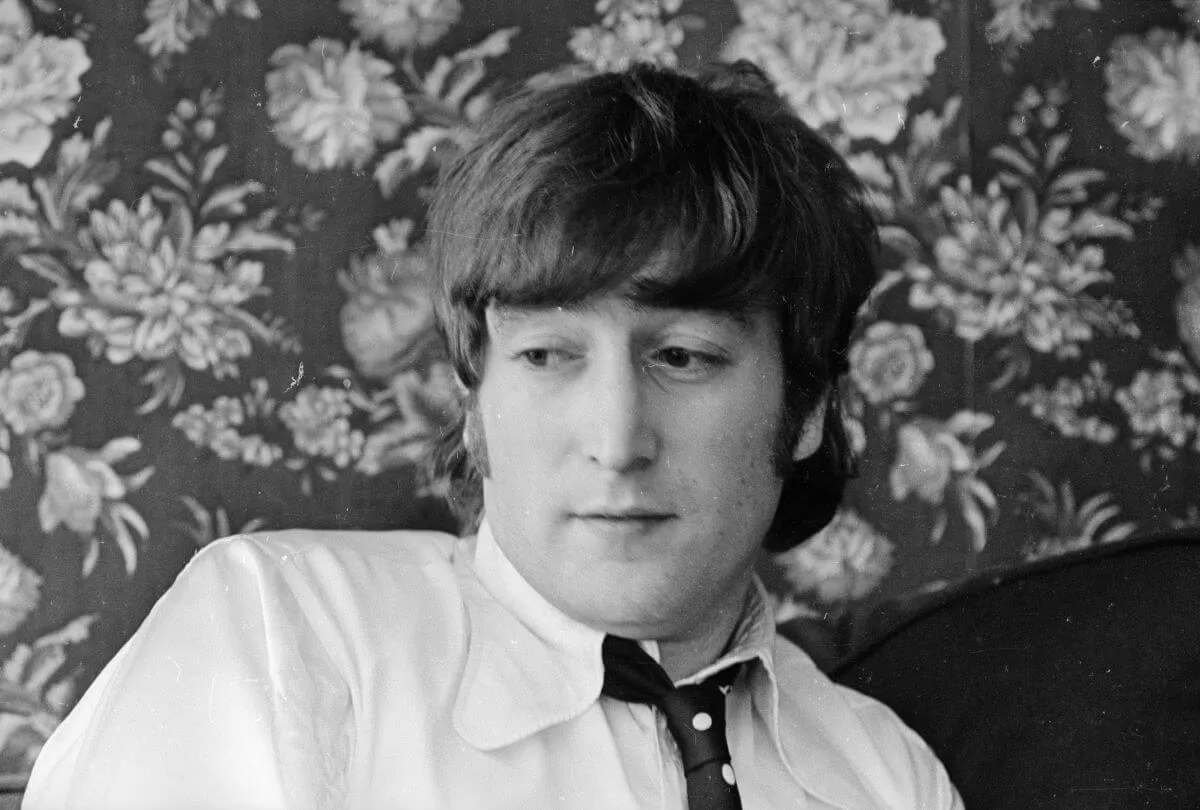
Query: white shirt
x=374 y=670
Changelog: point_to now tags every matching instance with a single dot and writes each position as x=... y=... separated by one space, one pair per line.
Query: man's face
x=629 y=450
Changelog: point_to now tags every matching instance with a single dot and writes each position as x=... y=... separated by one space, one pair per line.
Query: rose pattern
x=38 y=391
x=845 y=561
x=1154 y=405
x=927 y=458
x=890 y=361
x=387 y=322
x=17 y=212
x=1154 y=94
x=77 y=485
x=150 y=296
x=992 y=279
x=1014 y=22
x=39 y=83
x=173 y=25
x=1187 y=302
x=848 y=64
x=331 y=104
x=630 y=31
x=402 y=24
x=319 y=421
x=20 y=590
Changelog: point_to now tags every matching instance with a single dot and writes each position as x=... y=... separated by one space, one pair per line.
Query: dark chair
x=1069 y=683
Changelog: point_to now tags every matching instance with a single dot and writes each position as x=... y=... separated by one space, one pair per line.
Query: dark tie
x=695 y=717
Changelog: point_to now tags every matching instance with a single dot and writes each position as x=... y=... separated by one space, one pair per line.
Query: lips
x=624 y=514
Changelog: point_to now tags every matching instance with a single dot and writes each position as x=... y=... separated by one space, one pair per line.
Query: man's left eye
x=676 y=357
x=681 y=359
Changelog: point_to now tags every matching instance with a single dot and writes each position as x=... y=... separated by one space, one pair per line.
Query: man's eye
x=680 y=359
x=676 y=357
x=541 y=358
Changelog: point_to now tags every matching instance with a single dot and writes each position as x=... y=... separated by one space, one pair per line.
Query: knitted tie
x=695 y=717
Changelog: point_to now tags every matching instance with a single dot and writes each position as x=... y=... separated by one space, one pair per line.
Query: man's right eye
x=542 y=357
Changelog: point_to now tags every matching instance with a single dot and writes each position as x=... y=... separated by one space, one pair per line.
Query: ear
x=812 y=431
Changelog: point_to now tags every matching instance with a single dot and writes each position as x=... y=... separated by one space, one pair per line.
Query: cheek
x=737 y=459
x=519 y=436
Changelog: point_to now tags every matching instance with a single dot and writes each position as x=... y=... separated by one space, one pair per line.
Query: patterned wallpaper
x=214 y=315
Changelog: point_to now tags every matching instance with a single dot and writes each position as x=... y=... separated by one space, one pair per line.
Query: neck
x=685 y=655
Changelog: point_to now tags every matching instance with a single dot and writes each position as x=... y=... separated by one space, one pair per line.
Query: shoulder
x=863 y=732
x=303 y=557
x=351 y=588
x=401 y=548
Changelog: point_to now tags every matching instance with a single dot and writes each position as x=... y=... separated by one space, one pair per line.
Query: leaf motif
x=200 y=515
x=91 y=557
x=168 y=172
x=969 y=423
x=124 y=537
x=939 y=528
x=10 y=724
x=1097 y=518
x=14 y=668
x=131 y=517
x=1074 y=180
x=118 y=449
x=168 y=196
x=1092 y=224
x=138 y=479
x=937 y=173
x=435 y=79
x=1055 y=149
x=397 y=166
x=982 y=492
x=185 y=163
x=49 y=205
x=47 y=659
x=58 y=696
x=1011 y=157
x=229 y=200
x=248 y=239
x=973 y=515
x=464 y=82
x=494 y=44
x=180 y=229
x=901 y=240
x=46 y=266
x=73 y=632
x=211 y=162
x=1118 y=533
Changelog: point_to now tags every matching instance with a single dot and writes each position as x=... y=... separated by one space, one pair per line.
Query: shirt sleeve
x=224 y=698
x=917 y=768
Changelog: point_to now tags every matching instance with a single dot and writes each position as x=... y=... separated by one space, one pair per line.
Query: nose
x=617 y=431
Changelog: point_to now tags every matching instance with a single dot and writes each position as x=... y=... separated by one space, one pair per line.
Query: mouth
x=624 y=514
x=625 y=520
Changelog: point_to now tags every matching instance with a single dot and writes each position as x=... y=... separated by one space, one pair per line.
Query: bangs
x=665 y=252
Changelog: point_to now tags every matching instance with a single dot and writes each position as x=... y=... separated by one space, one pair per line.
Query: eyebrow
x=508 y=315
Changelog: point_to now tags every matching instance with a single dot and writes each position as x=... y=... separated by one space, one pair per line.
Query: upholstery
x=1071 y=683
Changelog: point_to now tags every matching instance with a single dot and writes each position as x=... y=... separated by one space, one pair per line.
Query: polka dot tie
x=695 y=717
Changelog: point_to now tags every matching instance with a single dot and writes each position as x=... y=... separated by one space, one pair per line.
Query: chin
x=613 y=606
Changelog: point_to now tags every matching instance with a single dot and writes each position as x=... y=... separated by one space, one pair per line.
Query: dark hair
x=576 y=189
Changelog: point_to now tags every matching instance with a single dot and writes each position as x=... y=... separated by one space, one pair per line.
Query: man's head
x=647 y=283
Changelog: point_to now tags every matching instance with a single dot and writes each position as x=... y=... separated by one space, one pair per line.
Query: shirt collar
x=529 y=666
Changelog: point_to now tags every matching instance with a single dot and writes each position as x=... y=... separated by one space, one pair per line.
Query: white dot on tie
x=702 y=721
x=727 y=774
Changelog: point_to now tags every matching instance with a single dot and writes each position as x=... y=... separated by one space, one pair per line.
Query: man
x=647 y=284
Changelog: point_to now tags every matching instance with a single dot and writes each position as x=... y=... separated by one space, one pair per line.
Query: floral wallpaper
x=214 y=314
